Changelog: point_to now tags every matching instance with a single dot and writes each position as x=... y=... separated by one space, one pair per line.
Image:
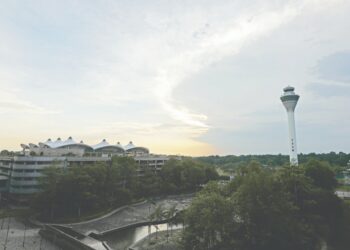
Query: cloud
x=10 y=102
x=123 y=63
x=329 y=89
x=141 y=129
x=144 y=55
x=166 y=138
x=214 y=45
x=335 y=67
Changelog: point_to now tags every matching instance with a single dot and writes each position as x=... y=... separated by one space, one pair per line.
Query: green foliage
x=321 y=174
x=80 y=190
x=186 y=175
x=8 y=153
x=338 y=161
x=209 y=216
x=289 y=208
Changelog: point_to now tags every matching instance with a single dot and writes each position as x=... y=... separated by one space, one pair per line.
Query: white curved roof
x=48 y=142
x=104 y=144
x=56 y=143
x=43 y=145
x=70 y=142
x=131 y=146
x=59 y=143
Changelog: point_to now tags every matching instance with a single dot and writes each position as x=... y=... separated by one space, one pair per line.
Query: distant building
x=19 y=174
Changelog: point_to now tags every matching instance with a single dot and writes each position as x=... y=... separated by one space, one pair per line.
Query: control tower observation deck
x=290 y=100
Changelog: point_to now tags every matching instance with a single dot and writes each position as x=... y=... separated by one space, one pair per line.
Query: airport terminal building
x=19 y=173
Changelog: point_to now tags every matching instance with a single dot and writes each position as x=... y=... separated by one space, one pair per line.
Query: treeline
x=231 y=162
x=8 y=153
x=265 y=209
x=77 y=190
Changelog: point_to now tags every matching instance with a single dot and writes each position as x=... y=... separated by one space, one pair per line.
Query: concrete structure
x=71 y=147
x=290 y=100
x=19 y=173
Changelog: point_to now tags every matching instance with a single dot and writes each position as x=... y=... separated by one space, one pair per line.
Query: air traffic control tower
x=290 y=100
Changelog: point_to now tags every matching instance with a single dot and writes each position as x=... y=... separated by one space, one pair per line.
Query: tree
x=268 y=216
x=84 y=188
x=208 y=221
x=169 y=214
x=263 y=209
x=150 y=216
x=126 y=169
x=49 y=183
x=82 y=185
x=321 y=174
x=157 y=216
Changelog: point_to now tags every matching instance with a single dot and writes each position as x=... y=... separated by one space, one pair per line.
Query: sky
x=197 y=77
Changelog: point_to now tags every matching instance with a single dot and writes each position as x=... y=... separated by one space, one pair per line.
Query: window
x=43 y=162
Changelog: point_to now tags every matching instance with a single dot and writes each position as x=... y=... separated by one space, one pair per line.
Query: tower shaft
x=290 y=100
x=293 y=153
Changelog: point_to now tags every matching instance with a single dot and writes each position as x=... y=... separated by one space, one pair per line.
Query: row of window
x=149 y=161
x=19 y=170
x=23 y=178
x=33 y=162
x=25 y=186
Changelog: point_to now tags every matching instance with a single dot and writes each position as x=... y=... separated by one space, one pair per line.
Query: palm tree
x=157 y=215
x=150 y=216
x=170 y=214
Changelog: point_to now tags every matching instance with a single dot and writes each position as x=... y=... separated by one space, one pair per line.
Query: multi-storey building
x=19 y=173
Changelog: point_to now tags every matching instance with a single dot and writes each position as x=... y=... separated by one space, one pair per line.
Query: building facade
x=19 y=173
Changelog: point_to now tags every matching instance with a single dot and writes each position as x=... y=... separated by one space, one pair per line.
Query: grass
x=343 y=188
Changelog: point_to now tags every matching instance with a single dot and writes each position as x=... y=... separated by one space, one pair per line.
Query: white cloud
x=10 y=102
x=224 y=41
x=101 y=59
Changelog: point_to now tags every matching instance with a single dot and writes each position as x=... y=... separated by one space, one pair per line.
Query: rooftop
x=59 y=143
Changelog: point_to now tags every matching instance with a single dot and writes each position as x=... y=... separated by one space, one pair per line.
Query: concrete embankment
x=68 y=239
x=85 y=235
x=130 y=216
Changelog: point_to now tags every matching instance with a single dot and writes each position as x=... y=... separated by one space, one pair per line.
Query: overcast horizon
x=179 y=77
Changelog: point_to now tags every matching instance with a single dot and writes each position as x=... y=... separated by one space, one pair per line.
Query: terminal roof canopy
x=104 y=145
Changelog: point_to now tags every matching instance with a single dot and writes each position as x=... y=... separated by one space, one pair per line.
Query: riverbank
x=129 y=216
x=14 y=234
